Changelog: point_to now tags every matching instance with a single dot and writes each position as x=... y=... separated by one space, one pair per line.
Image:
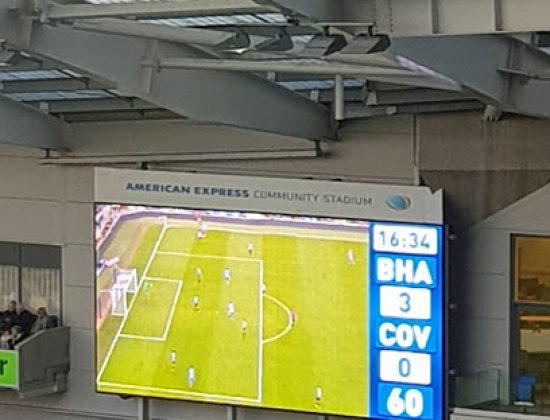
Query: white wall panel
x=486 y=248
x=33 y=221
x=24 y=178
x=78 y=306
x=78 y=265
x=80 y=399
x=168 y=410
x=79 y=223
x=79 y=184
x=481 y=285
x=251 y=414
x=82 y=349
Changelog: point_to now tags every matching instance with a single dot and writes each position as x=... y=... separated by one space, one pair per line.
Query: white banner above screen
x=290 y=196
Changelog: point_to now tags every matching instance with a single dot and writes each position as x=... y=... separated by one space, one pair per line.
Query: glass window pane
x=534 y=357
x=46 y=256
x=9 y=285
x=532 y=269
x=41 y=287
x=9 y=253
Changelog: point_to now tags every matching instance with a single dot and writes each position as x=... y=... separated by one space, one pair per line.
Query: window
x=532 y=270
x=531 y=311
x=31 y=274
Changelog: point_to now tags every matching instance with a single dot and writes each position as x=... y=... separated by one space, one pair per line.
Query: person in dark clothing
x=24 y=320
x=9 y=316
x=16 y=336
x=16 y=315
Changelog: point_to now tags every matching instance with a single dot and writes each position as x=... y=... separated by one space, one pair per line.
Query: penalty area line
x=260 y=330
x=172 y=310
x=141 y=337
x=148 y=278
x=214 y=257
x=170 y=315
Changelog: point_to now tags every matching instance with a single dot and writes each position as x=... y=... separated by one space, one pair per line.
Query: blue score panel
x=406 y=322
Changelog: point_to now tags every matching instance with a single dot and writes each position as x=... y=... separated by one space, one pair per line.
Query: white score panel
x=405 y=367
x=405 y=302
x=416 y=240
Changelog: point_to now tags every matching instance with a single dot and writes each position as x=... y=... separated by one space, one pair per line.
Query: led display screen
x=314 y=314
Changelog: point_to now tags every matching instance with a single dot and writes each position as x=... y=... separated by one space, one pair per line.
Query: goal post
x=124 y=285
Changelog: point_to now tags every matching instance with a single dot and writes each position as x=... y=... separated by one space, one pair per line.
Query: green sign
x=9 y=369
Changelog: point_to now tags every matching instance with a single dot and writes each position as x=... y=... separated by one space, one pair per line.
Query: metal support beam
x=143 y=409
x=316 y=10
x=204 y=37
x=23 y=126
x=339 y=99
x=50 y=85
x=223 y=97
x=143 y=10
x=426 y=17
x=102 y=105
x=501 y=70
x=320 y=68
x=327 y=68
x=361 y=111
x=92 y=143
x=414 y=96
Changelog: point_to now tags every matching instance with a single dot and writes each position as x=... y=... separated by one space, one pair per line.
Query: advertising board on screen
x=212 y=289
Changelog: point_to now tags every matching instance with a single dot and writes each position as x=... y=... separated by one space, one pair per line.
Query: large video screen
x=321 y=315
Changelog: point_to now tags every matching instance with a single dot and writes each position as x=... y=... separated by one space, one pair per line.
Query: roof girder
x=144 y=10
x=502 y=70
x=425 y=17
x=229 y=98
x=23 y=126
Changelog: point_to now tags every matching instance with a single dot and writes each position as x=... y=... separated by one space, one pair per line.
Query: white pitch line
x=215 y=257
x=282 y=233
x=170 y=316
x=163 y=279
x=287 y=328
x=141 y=337
x=261 y=334
x=119 y=331
x=178 y=392
x=172 y=310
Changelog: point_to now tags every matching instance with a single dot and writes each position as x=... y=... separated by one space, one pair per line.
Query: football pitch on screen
x=272 y=317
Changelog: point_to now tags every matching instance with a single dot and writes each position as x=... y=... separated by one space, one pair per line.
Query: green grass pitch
x=303 y=304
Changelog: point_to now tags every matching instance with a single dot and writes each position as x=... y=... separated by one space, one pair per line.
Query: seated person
x=17 y=336
x=24 y=319
x=9 y=316
x=10 y=338
x=42 y=320
x=4 y=339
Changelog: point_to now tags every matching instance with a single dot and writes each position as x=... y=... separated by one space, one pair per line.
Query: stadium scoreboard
x=267 y=294
x=406 y=321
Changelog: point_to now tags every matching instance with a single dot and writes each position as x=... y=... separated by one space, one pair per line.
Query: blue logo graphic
x=398 y=202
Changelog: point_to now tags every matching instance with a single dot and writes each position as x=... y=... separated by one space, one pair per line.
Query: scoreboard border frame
x=444 y=270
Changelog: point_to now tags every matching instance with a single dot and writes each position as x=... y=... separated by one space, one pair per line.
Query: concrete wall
x=482 y=166
x=377 y=150
x=53 y=205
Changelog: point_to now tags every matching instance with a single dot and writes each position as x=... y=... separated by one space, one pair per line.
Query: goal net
x=123 y=288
